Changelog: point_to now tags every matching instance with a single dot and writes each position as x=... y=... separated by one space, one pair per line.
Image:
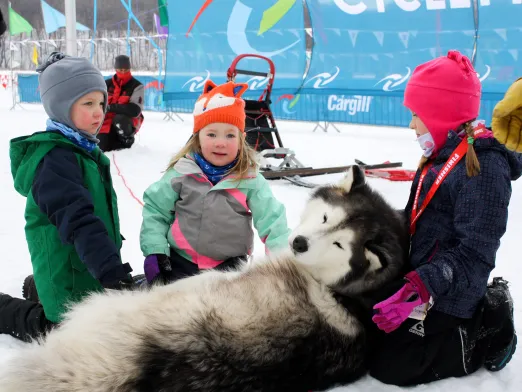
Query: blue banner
x=206 y=36
x=357 y=109
x=373 y=46
x=499 y=48
x=29 y=92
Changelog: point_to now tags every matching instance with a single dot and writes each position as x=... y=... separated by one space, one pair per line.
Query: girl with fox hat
x=199 y=215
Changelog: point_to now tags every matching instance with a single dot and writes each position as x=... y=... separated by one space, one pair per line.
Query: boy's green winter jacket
x=72 y=225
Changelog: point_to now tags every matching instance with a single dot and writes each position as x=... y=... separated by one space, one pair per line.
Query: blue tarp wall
x=350 y=65
x=360 y=54
x=29 y=92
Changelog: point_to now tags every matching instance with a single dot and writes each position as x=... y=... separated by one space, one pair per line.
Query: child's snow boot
x=29 y=289
x=499 y=324
x=502 y=358
x=22 y=319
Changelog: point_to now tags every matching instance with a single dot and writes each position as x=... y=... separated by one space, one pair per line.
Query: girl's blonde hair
x=246 y=159
x=472 y=162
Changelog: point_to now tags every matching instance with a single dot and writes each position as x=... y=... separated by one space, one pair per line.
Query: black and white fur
x=274 y=325
x=371 y=238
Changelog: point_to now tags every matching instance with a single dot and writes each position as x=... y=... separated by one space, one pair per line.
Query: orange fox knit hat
x=220 y=104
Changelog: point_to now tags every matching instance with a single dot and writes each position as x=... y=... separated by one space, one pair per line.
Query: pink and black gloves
x=392 y=312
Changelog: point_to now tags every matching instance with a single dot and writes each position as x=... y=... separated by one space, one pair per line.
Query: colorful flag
x=17 y=24
x=54 y=19
x=273 y=14
x=164 y=16
x=159 y=28
x=34 y=57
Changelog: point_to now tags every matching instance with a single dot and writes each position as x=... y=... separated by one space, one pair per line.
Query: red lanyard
x=450 y=164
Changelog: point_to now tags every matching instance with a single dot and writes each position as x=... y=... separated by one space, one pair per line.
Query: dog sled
x=262 y=135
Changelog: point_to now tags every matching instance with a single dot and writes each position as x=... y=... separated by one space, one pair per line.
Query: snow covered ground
x=159 y=140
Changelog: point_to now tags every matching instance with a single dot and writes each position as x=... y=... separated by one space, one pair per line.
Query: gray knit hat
x=63 y=80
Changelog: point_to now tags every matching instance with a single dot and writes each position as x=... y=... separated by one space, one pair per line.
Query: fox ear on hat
x=239 y=89
x=209 y=85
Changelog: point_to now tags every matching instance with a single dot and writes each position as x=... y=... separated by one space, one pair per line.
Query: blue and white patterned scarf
x=213 y=173
x=74 y=136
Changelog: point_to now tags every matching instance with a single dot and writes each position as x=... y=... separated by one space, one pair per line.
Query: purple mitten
x=151 y=267
x=392 y=312
x=157 y=266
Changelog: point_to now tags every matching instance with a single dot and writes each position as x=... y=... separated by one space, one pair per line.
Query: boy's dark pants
x=22 y=319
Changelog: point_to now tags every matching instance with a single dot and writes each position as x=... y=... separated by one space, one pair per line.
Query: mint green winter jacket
x=206 y=223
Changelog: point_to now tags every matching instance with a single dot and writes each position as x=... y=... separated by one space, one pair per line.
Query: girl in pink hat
x=444 y=319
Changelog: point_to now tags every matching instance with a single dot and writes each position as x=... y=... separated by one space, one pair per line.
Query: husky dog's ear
x=353 y=179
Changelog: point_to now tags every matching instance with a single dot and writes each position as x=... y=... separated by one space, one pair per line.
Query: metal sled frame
x=263 y=135
x=260 y=123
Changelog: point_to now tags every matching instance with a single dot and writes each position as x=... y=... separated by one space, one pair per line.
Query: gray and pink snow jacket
x=207 y=223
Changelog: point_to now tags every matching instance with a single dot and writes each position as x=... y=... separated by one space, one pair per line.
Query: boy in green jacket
x=72 y=225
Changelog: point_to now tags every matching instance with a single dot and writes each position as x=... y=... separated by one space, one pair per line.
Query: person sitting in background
x=124 y=110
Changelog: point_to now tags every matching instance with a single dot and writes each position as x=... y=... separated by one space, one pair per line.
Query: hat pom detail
x=53 y=58
x=463 y=62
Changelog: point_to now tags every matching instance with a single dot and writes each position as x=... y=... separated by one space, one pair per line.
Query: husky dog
x=364 y=240
x=273 y=325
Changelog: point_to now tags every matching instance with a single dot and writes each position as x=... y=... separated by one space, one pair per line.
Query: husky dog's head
x=349 y=237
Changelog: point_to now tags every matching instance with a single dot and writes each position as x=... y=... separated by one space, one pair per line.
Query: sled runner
x=387 y=170
x=391 y=173
x=262 y=135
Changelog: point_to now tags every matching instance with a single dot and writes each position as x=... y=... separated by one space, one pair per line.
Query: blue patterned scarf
x=74 y=136
x=213 y=173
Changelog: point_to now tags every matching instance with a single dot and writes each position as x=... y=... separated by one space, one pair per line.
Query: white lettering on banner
x=351 y=105
x=435 y=5
x=356 y=8
x=460 y=3
x=408 y=5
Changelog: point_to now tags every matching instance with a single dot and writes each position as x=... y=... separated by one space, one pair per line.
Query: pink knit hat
x=444 y=93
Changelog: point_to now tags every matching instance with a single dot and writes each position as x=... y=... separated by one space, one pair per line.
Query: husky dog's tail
x=28 y=371
x=38 y=369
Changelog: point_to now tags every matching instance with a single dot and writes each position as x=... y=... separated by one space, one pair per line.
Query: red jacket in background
x=125 y=97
